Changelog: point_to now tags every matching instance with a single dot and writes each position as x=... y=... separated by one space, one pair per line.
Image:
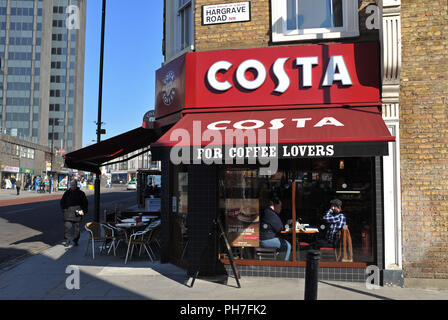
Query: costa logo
x=275 y=124
x=336 y=70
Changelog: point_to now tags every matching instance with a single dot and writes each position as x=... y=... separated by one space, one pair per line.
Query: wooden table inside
x=301 y=231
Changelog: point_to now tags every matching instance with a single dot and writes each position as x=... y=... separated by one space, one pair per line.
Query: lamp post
x=52 y=152
x=99 y=131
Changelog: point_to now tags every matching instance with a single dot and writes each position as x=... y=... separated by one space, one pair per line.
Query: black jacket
x=271 y=224
x=71 y=200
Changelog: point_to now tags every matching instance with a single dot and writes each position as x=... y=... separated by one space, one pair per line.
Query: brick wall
x=257 y=32
x=424 y=138
x=252 y=34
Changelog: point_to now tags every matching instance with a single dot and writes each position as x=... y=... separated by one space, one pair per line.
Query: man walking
x=74 y=205
x=18 y=186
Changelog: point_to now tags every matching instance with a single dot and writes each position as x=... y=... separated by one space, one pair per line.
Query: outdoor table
x=130 y=226
x=147 y=218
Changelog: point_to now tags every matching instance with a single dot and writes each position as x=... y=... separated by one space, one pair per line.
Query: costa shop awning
x=306 y=132
x=93 y=157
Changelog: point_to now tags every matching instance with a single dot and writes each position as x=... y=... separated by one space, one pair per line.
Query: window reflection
x=309 y=14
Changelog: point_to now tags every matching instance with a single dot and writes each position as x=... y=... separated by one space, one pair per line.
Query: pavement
x=60 y=273
x=52 y=274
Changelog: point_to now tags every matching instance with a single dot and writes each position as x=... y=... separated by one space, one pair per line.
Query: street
x=31 y=227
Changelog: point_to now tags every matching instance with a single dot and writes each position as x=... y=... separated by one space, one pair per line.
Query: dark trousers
x=18 y=190
x=69 y=225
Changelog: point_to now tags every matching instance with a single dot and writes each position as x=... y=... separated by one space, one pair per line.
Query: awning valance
x=339 y=131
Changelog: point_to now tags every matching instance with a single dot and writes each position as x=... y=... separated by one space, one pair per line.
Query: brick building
x=374 y=72
x=196 y=33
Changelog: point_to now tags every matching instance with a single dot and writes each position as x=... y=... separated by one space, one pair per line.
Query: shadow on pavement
x=51 y=276
x=356 y=291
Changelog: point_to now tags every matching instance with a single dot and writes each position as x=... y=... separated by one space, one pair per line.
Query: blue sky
x=132 y=54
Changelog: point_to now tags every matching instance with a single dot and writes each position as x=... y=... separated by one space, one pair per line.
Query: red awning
x=294 y=126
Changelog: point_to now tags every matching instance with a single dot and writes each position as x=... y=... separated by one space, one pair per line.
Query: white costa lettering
x=337 y=63
x=241 y=124
x=251 y=84
x=214 y=125
x=307 y=69
x=336 y=71
x=301 y=122
x=211 y=76
x=275 y=124
x=328 y=121
x=281 y=75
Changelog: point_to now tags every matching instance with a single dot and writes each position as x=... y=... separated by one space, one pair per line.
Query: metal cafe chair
x=98 y=232
x=144 y=239
x=119 y=234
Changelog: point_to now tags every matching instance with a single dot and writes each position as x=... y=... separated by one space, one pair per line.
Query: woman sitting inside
x=270 y=227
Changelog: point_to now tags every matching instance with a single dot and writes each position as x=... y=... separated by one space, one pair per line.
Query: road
x=31 y=227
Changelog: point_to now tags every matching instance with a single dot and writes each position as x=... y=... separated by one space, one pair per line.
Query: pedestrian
x=18 y=186
x=13 y=182
x=28 y=183
x=8 y=184
x=74 y=205
x=36 y=184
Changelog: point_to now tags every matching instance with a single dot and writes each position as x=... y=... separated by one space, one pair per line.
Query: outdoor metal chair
x=119 y=235
x=98 y=232
x=143 y=239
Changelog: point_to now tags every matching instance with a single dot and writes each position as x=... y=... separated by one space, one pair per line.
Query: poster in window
x=243 y=222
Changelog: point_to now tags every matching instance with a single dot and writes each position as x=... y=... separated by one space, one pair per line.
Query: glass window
x=305 y=188
x=314 y=14
x=314 y=19
x=186 y=23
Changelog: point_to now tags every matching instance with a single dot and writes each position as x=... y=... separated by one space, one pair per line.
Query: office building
x=42 y=45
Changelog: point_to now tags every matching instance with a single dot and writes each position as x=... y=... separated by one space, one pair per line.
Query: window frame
x=281 y=34
x=182 y=8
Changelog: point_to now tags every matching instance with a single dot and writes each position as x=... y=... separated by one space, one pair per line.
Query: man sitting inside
x=270 y=227
x=336 y=220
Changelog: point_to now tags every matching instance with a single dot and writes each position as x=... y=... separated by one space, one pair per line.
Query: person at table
x=336 y=221
x=270 y=227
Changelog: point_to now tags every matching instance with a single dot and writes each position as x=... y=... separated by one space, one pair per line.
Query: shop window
x=305 y=188
x=314 y=19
